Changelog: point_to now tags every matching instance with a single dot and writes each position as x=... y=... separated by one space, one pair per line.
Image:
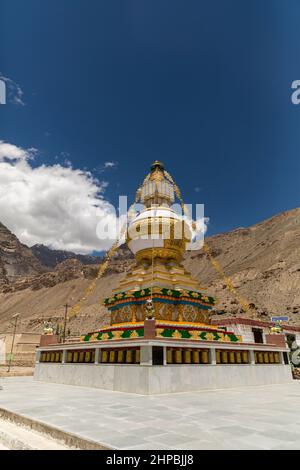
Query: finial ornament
x=157 y=165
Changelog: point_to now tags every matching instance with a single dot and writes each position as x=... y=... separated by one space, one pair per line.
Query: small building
x=256 y=331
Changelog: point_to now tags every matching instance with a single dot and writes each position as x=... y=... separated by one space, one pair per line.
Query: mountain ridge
x=262 y=261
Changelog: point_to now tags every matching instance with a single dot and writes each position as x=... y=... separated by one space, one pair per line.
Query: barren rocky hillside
x=16 y=259
x=263 y=262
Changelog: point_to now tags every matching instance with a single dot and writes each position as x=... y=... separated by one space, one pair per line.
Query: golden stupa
x=158 y=237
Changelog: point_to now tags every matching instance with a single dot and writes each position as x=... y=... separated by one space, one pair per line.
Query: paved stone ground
x=266 y=417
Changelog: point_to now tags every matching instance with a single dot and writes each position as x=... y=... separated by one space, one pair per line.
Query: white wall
x=146 y=380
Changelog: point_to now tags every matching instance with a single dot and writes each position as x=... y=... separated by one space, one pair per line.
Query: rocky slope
x=262 y=261
x=16 y=259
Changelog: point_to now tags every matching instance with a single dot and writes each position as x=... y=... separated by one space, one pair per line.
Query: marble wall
x=147 y=380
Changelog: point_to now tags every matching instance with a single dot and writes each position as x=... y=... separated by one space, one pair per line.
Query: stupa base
x=162 y=366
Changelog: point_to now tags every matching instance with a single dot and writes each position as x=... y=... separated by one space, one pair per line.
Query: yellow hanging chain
x=207 y=250
x=103 y=266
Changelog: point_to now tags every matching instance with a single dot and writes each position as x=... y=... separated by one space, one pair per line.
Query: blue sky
x=203 y=86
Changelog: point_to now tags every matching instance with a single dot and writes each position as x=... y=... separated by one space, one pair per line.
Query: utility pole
x=16 y=316
x=65 y=322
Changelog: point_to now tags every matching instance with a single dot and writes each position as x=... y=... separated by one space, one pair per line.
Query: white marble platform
x=146 y=380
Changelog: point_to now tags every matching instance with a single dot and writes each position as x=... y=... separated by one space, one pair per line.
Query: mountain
x=262 y=262
x=16 y=259
x=51 y=258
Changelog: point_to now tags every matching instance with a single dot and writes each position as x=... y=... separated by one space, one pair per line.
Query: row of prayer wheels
x=120 y=356
x=81 y=356
x=187 y=356
x=51 y=356
x=231 y=357
x=267 y=357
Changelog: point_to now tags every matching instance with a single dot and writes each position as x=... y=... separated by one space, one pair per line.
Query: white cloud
x=110 y=164
x=55 y=205
x=107 y=165
x=15 y=93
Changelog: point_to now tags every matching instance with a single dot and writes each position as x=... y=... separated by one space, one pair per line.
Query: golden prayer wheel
x=178 y=356
x=104 y=356
x=204 y=357
x=271 y=357
x=232 y=357
x=69 y=357
x=52 y=358
x=112 y=355
x=187 y=356
x=88 y=356
x=120 y=356
x=266 y=358
x=169 y=356
x=245 y=357
x=224 y=356
x=260 y=358
x=129 y=356
x=277 y=357
x=137 y=356
x=196 y=356
x=75 y=357
x=218 y=356
x=81 y=356
x=238 y=357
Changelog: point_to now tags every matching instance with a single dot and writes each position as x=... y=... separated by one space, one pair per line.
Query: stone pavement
x=266 y=417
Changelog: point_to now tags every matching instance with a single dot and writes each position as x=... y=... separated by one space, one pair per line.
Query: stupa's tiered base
x=163 y=364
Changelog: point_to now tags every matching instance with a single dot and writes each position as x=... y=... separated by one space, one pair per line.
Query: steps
x=17 y=437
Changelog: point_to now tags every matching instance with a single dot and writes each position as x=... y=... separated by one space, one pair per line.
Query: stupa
x=159 y=288
x=160 y=316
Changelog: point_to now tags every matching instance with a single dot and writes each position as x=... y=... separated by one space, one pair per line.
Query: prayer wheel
x=112 y=355
x=88 y=356
x=196 y=356
x=81 y=356
x=169 y=356
x=231 y=357
x=52 y=358
x=70 y=357
x=224 y=356
x=187 y=356
x=120 y=356
x=266 y=358
x=57 y=357
x=238 y=357
x=75 y=356
x=129 y=356
x=271 y=358
x=218 y=356
x=204 y=357
x=137 y=356
x=277 y=357
x=260 y=358
x=104 y=355
x=245 y=357
x=178 y=356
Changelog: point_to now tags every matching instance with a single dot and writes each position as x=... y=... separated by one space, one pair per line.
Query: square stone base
x=151 y=380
